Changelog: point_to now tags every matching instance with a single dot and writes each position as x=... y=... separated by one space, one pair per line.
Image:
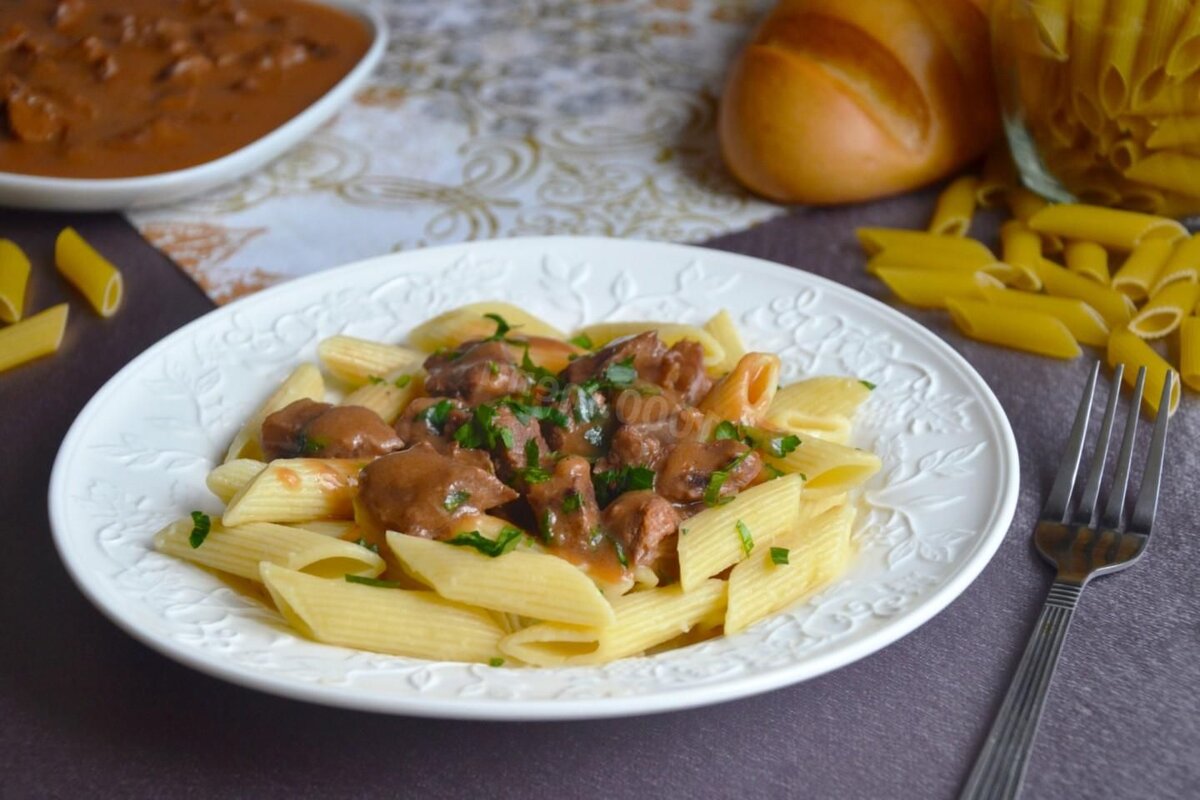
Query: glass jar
x=1101 y=99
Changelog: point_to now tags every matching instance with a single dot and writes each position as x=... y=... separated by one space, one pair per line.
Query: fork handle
x=1001 y=764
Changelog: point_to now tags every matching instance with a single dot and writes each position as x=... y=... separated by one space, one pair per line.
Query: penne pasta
x=388 y=395
x=335 y=528
x=1021 y=249
x=1122 y=33
x=1125 y=347
x=536 y=585
x=828 y=466
x=1184 y=58
x=916 y=243
x=1121 y=230
x=240 y=550
x=34 y=337
x=821 y=407
x=462 y=324
x=1175 y=131
x=1165 y=310
x=745 y=394
x=931 y=288
x=1089 y=260
x=711 y=541
x=955 y=207
x=1116 y=308
x=724 y=330
x=385 y=620
x=999 y=177
x=1141 y=269
x=89 y=272
x=795 y=565
x=14 y=276
x=937 y=260
x=1182 y=265
x=1159 y=31
x=297 y=490
x=1084 y=322
x=305 y=382
x=815 y=502
x=226 y=480
x=1018 y=328
x=643 y=619
x=1189 y=352
x=1175 y=172
x=355 y=361
x=1052 y=20
x=604 y=332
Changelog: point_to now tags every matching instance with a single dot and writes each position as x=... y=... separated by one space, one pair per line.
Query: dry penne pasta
x=1089 y=260
x=1189 y=352
x=1125 y=347
x=355 y=361
x=1182 y=265
x=14 y=275
x=936 y=260
x=1110 y=227
x=875 y=240
x=1116 y=308
x=1165 y=310
x=998 y=178
x=296 y=490
x=745 y=394
x=33 y=337
x=1083 y=321
x=931 y=288
x=304 y=382
x=1174 y=172
x=469 y=322
x=1052 y=18
x=955 y=207
x=1019 y=328
x=1140 y=271
x=1021 y=249
x=89 y=272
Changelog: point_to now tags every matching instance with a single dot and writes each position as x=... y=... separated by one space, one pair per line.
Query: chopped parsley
x=376 y=582
x=502 y=327
x=712 y=492
x=615 y=482
x=744 y=534
x=538 y=374
x=572 y=502
x=312 y=445
x=376 y=380
x=780 y=446
x=546 y=525
x=587 y=408
x=551 y=415
x=402 y=381
x=621 y=373
x=533 y=475
x=507 y=540
x=436 y=415
x=495 y=662
x=201 y=525
x=455 y=499
x=582 y=340
x=533 y=454
x=482 y=431
x=493 y=367
x=870 y=386
x=622 y=559
x=773 y=472
x=779 y=555
x=361 y=542
x=727 y=430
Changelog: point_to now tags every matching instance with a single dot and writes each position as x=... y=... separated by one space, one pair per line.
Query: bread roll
x=836 y=101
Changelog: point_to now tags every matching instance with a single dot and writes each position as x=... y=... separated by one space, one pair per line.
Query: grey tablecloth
x=86 y=711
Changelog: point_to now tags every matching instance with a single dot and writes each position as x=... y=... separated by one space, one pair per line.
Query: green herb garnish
x=779 y=555
x=376 y=582
x=482 y=431
x=436 y=415
x=546 y=525
x=587 y=408
x=582 y=340
x=201 y=525
x=727 y=430
x=493 y=367
x=506 y=541
x=455 y=499
x=773 y=472
x=622 y=559
x=712 y=492
x=402 y=381
x=502 y=327
x=312 y=445
x=870 y=386
x=621 y=373
x=361 y=542
x=376 y=380
x=533 y=454
x=744 y=534
x=495 y=662
x=614 y=482
x=572 y=502
x=538 y=374
x=780 y=446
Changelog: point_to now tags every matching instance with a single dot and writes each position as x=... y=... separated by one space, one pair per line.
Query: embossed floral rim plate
x=931 y=519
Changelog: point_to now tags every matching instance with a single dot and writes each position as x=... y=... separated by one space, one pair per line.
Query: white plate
x=111 y=194
x=137 y=455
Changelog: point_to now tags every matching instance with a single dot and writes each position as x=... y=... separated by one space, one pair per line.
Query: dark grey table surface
x=86 y=711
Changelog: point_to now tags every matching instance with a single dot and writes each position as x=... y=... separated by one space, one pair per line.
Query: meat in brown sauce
x=432 y=420
x=681 y=372
x=526 y=440
x=684 y=475
x=565 y=506
x=477 y=372
x=588 y=424
x=645 y=524
x=422 y=492
x=322 y=430
x=647 y=443
x=645 y=349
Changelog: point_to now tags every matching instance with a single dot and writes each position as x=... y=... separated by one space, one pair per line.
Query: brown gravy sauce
x=117 y=88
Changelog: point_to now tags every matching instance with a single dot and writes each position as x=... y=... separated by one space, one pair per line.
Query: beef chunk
x=321 y=430
x=421 y=492
x=477 y=372
x=589 y=423
x=684 y=474
x=645 y=525
x=565 y=505
x=510 y=459
x=646 y=444
x=432 y=420
x=681 y=373
x=646 y=350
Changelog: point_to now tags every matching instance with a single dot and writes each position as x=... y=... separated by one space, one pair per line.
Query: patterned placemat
x=491 y=119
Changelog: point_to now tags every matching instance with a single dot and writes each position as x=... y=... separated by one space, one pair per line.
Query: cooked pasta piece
x=955 y=207
x=227 y=479
x=926 y=288
x=1121 y=230
x=240 y=550
x=1141 y=269
x=644 y=619
x=296 y=490
x=999 y=177
x=815 y=502
x=724 y=330
x=795 y=565
x=917 y=243
x=1019 y=328
x=385 y=620
x=828 y=466
x=1127 y=348
x=604 y=332
x=1116 y=308
x=821 y=407
x=452 y=328
x=745 y=394
x=355 y=361
x=1165 y=310
x=335 y=528
x=1083 y=321
x=1189 y=352
x=1089 y=260
x=305 y=382
x=89 y=272
x=14 y=275
x=389 y=394
x=1182 y=265
x=1021 y=249
x=33 y=337
x=536 y=585
x=711 y=541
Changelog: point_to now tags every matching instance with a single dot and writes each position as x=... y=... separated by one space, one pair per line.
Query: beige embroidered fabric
x=490 y=120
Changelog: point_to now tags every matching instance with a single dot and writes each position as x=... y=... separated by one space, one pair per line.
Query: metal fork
x=1081 y=546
